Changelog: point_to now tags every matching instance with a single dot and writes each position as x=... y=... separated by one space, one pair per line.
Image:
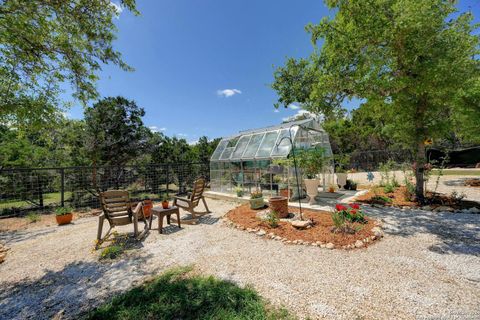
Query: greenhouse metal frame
x=247 y=161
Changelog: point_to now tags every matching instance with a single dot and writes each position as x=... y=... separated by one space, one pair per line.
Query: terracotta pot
x=64 y=219
x=312 y=188
x=165 y=204
x=147 y=208
x=279 y=205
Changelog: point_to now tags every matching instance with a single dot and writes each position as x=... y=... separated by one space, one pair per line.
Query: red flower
x=353 y=211
x=355 y=206
x=340 y=207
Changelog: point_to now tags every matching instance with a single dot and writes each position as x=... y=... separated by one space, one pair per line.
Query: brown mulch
x=399 y=199
x=474 y=182
x=320 y=231
x=46 y=220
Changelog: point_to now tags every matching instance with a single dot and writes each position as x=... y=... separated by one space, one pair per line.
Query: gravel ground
x=427 y=266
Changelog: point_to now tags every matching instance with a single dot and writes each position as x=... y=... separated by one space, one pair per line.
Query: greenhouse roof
x=270 y=142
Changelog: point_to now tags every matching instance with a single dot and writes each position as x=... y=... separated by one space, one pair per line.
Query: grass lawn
x=453 y=172
x=48 y=198
x=180 y=294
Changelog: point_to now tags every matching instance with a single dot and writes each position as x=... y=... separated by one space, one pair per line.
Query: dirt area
x=321 y=230
x=44 y=220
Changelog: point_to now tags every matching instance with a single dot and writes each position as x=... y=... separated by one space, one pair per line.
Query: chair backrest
x=197 y=192
x=116 y=204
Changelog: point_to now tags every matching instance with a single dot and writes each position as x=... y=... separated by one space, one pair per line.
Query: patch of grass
x=111 y=252
x=453 y=172
x=179 y=294
x=33 y=217
x=382 y=199
x=388 y=188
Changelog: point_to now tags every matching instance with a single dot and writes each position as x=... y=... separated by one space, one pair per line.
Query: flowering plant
x=351 y=213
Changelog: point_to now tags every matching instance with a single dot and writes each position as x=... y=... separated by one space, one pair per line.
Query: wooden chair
x=117 y=210
x=191 y=202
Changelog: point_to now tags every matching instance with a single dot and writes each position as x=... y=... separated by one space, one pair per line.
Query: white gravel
x=427 y=266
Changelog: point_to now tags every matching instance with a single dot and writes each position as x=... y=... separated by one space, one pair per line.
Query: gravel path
x=427 y=266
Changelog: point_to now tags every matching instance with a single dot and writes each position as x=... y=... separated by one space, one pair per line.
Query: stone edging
x=377 y=230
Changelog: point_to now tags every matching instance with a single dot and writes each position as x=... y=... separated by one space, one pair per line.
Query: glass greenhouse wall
x=247 y=161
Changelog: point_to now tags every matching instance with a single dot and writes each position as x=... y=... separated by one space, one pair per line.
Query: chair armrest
x=137 y=209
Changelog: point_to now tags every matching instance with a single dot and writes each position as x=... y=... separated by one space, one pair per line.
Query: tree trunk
x=420 y=161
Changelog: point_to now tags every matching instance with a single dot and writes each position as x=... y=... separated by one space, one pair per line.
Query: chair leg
x=205 y=204
x=178 y=219
x=101 y=219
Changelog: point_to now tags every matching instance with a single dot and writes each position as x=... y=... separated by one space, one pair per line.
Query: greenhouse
x=259 y=159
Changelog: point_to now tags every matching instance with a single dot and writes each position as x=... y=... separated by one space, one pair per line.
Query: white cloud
x=118 y=8
x=297 y=115
x=276 y=110
x=157 y=129
x=228 y=92
x=294 y=106
x=182 y=134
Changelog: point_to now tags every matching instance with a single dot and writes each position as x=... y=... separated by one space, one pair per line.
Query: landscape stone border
x=261 y=233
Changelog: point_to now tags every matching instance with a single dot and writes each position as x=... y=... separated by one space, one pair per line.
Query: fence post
x=62 y=187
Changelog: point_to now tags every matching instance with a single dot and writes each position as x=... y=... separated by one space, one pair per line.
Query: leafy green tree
x=46 y=43
x=115 y=134
x=415 y=60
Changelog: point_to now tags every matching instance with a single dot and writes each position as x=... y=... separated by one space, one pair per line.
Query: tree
x=46 y=43
x=115 y=134
x=415 y=60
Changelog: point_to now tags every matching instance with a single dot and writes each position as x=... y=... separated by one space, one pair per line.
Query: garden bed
x=433 y=201
x=320 y=234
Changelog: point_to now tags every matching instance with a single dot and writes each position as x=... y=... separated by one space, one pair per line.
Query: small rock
x=271 y=235
x=315 y=244
x=299 y=224
x=288 y=242
x=261 y=233
x=443 y=208
x=323 y=245
x=405 y=207
x=373 y=238
x=474 y=210
x=377 y=232
x=358 y=244
x=278 y=238
x=427 y=208
x=250 y=230
x=330 y=246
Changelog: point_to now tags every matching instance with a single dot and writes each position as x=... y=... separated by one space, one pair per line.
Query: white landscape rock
x=301 y=224
x=444 y=208
x=378 y=232
x=358 y=244
x=261 y=233
x=330 y=246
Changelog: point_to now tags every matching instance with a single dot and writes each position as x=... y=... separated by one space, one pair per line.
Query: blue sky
x=187 y=53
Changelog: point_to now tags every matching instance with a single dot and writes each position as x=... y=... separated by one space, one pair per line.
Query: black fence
x=78 y=187
x=372 y=160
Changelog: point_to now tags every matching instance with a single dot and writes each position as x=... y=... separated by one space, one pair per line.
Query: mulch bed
x=321 y=231
x=399 y=199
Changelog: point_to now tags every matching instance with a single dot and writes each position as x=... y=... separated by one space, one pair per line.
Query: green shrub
x=111 y=252
x=272 y=218
x=382 y=199
x=60 y=211
x=33 y=217
x=388 y=188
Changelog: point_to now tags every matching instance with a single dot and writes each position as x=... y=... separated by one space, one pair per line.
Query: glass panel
x=227 y=153
x=267 y=145
x=284 y=145
x=253 y=146
x=241 y=146
x=221 y=146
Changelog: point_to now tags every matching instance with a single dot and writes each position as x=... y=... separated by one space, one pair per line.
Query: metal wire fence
x=28 y=189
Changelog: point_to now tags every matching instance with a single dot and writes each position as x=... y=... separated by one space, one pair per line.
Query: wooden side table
x=161 y=213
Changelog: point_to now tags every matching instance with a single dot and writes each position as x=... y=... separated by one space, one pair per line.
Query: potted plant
x=165 y=203
x=312 y=162
x=239 y=191
x=341 y=177
x=147 y=207
x=256 y=200
x=342 y=162
x=351 y=185
x=63 y=215
x=283 y=190
x=331 y=188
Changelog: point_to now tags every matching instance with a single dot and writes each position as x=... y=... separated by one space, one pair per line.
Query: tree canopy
x=415 y=62
x=45 y=44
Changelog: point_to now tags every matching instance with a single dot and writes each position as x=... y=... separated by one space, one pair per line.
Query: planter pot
x=341 y=179
x=284 y=193
x=147 y=208
x=64 y=219
x=257 y=203
x=312 y=188
x=165 y=204
x=279 y=205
